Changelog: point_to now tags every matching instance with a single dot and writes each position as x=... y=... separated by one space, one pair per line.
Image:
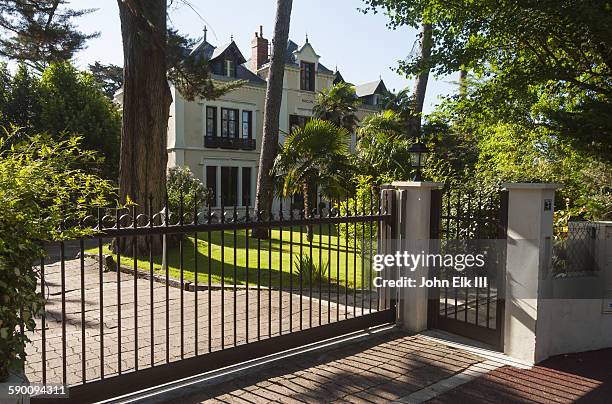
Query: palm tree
x=274 y=96
x=382 y=149
x=388 y=121
x=315 y=157
x=403 y=104
x=338 y=104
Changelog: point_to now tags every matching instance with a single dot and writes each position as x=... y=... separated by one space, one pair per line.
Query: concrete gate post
x=528 y=258
x=414 y=203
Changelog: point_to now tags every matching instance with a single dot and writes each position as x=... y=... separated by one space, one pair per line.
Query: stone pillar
x=528 y=258
x=414 y=205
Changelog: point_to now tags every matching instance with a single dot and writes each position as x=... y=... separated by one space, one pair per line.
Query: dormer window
x=307 y=76
x=229 y=68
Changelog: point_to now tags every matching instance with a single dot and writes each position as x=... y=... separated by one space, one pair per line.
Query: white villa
x=219 y=140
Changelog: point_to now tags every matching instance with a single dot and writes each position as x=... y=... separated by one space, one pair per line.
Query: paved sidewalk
x=382 y=368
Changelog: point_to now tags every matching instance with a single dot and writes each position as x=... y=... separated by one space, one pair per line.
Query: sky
x=360 y=45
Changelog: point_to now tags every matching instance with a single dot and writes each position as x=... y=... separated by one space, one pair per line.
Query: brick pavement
x=392 y=366
x=382 y=368
x=575 y=378
x=165 y=347
x=385 y=367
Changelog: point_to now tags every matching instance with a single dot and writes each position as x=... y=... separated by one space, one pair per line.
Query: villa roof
x=203 y=49
x=228 y=47
x=374 y=87
x=338 y=77
x=208 y=51
x=293 y=48
x=243 y=73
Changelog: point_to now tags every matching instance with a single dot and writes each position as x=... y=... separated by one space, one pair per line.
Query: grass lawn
x=274 y=258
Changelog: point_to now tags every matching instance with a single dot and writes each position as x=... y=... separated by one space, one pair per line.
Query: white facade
x=226 y=158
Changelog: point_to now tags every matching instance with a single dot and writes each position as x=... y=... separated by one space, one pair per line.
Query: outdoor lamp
x=418 y=152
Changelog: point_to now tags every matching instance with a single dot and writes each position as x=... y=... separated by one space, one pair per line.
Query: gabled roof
x=374 y=87
x=210 y=52
x=293 y=48
x=308 y=45
x=338 y=77
x=203 y=49
x=323 y=69
x=228 y=47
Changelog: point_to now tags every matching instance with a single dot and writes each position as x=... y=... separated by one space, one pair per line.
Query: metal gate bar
x=122 y=323
x=457 y=215
x=159 y=375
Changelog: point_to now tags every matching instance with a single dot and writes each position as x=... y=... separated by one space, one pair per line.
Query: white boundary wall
x=540 y=321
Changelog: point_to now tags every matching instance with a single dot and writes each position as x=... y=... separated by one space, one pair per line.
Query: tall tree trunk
x=310 y=204
x=146 y=105
x=463 y=81
x=420 y=84
x=274 y=95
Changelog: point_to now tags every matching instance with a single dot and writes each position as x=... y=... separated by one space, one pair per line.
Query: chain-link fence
x=575 y=248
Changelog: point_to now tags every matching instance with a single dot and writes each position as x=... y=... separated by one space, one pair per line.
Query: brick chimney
x=259 y=49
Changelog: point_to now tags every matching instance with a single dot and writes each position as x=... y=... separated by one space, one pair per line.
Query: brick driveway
x=396 y=367
x=163 y=348
x=383 y=368
x=574 y=378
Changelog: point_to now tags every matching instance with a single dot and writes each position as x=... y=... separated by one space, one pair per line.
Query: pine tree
x=40 y=32
x=110 y=77
x=153 y=53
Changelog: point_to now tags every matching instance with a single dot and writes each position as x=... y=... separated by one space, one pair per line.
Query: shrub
x=39 y=187
x=365 y=201
x=309 y=270
x=182 y=183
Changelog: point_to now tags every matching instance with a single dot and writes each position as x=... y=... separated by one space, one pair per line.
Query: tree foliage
x=63 y=100
x=40 y=184
x=489 y=146
x=338 y=104
x=382 y=147
x=72 y=102
x=40 y=32
x=402 y=103
x=313 y=158
x=22 y=104
x=561 y=50
x=187 y=190
x=109 y=76
x=317 y=155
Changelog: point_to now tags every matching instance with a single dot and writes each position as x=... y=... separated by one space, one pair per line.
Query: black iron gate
x=477 y=221
x=122 y=319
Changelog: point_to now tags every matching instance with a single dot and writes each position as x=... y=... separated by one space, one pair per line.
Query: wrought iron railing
x=232 y=143
x=144 y=297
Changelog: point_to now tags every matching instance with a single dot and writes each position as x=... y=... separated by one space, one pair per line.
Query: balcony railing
x=231 y=143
